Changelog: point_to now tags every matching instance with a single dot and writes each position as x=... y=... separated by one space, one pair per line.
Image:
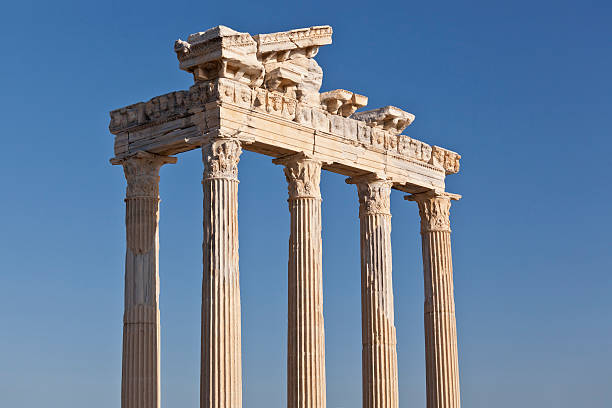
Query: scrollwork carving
x=221 y=157
x=142 y=173
x=434 y=209
x=142 y=198
x=374 y=197
x=303 y=175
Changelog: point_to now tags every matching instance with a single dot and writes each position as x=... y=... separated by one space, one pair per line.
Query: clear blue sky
x=521 y=89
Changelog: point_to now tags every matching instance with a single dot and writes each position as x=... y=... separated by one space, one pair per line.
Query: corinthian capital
x=303 y=174
x=434 y=209
x=374 y=194
x=142 y=173
x=221 y=157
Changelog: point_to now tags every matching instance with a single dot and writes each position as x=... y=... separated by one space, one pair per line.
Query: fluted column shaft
x=379 y=355
x=305 y=333
x=140 y=379
x=442 y=366
x=221 y=364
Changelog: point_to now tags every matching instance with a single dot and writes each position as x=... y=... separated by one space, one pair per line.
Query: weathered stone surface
x=261 y=93
x=140 y=379
x=220 y=52
x=388 y=118
x=288 y=58
x=301 y=38
x=305 y=332
x=379 y=354
x=343 y=102
x=442 y=365
x=221 y=376
x=165 y=125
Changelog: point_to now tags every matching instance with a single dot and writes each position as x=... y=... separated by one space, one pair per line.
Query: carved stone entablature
x=220 y=52
x=343 y=102
x=388 y=118
x=445 y=159
x=303 y=174
x=221 y=157
x=301 y=38
x=288 y=59
x=157 y=110
x=434 y=209
x=356 y=132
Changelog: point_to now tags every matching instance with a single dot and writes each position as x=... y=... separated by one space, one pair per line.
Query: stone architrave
x=140 y=379
x=442 y=366
x=305 y=332
x=221 y=368
x=379 y=355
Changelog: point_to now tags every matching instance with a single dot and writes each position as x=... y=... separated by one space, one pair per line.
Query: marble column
x=305 y=332
x=442 y=367
x=140 y=379
x=221 y=363
x=379 y=355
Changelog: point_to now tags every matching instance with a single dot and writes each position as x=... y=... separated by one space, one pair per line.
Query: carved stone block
x=220 y=52
x=303 y=114
x=388 y=118
x=320 y=121
x=364 y=133
x=337 y=124
x=350 y=129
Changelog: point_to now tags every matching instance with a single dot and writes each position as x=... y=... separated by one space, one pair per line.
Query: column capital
x=434 y=209
x=141 y=171
x=303 y=174
x=221 y=157
x=374 y=192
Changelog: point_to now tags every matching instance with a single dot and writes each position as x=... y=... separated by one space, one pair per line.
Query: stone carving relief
x=369 y=134
x=303 y=175
x=343 y=102
x=142 y=173
x=276 y=74
x=220 y=52
x=374 y=197
x=434 y=209
x=288 y=59
x=142 y=198
x=388 y=118
x=221 y=157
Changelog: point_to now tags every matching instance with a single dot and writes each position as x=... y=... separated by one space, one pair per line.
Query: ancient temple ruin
x=262 y=93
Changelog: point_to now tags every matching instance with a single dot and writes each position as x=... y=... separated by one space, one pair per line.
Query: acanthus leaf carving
x=221 y=157
x=303 y=175
x=142 y=198
x=142 y=173
x=374 y=197
x=434 y=209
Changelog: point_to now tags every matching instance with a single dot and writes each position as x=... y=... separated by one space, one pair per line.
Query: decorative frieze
x=300 y=38
x=370 y=134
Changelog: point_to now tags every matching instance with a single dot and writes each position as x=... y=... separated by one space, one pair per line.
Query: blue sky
x=521 y=89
